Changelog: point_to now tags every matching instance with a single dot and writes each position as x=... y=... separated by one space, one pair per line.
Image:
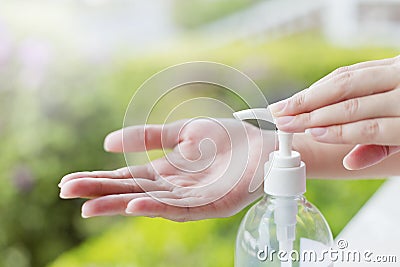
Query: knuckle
x=185 y=217
x=341 y=70
x=389 y=61
x=298 y=100
x=343 y=83
x=123 y=173
x=308 y=118
x=351 y=107
x=338 y=132
x=101 y=188
x=147 y=132
x=178 y=219
x=370 y=130
x=133 y=186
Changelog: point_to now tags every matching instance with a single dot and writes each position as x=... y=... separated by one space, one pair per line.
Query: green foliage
x=279 y=68
x=48 y=134
x=195 y=13
x=340 y=200
x=166 y=244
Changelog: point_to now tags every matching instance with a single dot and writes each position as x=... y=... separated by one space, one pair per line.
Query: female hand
x=357 y=105
x=209 y=172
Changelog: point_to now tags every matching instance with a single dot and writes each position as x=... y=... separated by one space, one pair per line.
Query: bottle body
x=277 y=230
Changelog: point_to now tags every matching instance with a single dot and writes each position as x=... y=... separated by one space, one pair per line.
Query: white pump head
x=284 y=173
x=284 y=178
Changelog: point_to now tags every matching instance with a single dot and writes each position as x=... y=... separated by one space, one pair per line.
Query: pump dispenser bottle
x=283 y=229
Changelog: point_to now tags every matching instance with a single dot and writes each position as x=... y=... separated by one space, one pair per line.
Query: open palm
x=212 y=170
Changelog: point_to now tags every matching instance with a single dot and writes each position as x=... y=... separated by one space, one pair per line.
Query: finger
x=115 y=204
x=357 y=66
x=164 y=208
x=363 y=156
x=382 y=131
x=355 y=109
x=141 y=171
x=143 y=137
x=89 y=188
x=345 y=86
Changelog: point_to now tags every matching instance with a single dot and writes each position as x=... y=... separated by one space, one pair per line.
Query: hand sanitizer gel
x=283 y=229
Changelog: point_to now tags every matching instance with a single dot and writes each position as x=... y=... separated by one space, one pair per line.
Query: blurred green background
x=67 y=72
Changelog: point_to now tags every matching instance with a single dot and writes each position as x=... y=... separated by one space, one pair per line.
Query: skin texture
x=209 y=173
x=355 y=105
x=215 y=168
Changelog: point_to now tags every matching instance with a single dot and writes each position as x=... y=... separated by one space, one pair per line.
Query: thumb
x=363 y=156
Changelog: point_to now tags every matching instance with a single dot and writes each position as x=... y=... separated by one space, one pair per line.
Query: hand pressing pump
x=283 y=229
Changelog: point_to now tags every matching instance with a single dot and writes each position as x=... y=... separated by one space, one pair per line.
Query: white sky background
x=98 y=27
x=95 y=27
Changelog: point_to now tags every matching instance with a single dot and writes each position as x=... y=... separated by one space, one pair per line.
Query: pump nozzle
x=254 y=114
x=285 y=139
x=285 y=178
x=285 y=173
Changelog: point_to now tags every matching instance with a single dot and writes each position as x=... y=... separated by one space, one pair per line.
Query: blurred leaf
x=195 y=13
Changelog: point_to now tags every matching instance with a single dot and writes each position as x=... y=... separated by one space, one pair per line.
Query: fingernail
x=133 y=209
x=284 y=120
x=111 y=140
x=61 y=195
x=133 y=212
x=61 y=183
x=316 y=132
x=346 y=164
x=278 y=107
x=130 y=212
x=130 y=209
x=106 y=144
x=84 y=213
x=65 y=179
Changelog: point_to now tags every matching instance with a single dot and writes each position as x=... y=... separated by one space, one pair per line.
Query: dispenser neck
x=285 y=173
x=285 y=143
x=272 y=199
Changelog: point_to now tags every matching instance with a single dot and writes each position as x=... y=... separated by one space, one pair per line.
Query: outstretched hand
x=356 y=105
x=213 y=170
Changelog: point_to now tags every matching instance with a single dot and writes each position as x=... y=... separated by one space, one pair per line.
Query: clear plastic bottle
x=283 y=229
x=257 y=243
